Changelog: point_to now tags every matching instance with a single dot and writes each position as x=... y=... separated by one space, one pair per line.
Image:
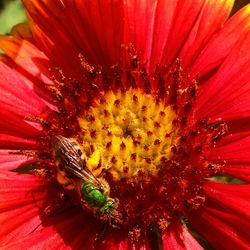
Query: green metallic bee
x=94 y=192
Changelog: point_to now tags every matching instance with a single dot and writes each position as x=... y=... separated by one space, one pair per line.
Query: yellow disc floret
x=126 y=133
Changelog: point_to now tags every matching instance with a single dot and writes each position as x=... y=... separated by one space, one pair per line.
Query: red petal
x=18 y=222
x=222 y=230
x=12 y=124
x=10 y=160
x=23 y=199
x=17 y=93
x=232 y=149
x=229 y=197
x=226 y=95
x=147 y=26
x=28 y=57
x=17 y=189
x=69 y=230
x=16 y=142
x=95 y=33
x=180 y=239
x=188 y=23
x=239 y=171
x=46 y=238
x=76 y=228
x=222 y=43
x=211 y=18
x=232 y=153
x=160 y=28
x=239 y=225
x=20 y=197
x=99 y=35
x=15 y=133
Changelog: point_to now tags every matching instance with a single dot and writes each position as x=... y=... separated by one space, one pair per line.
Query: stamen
x=132 y=135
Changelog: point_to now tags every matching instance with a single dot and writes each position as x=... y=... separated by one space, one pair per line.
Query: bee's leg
x=101 y=234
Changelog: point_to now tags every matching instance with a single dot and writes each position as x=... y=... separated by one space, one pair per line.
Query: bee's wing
x=69 y=154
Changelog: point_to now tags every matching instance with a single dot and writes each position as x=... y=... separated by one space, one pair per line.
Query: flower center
x=126 y=134
x=129 y=145
x=133 y=146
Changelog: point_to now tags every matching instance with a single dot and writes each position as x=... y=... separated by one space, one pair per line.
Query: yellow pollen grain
x=128 y=133
x=63 y=180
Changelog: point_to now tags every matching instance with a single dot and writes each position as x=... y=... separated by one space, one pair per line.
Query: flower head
x=118 y=120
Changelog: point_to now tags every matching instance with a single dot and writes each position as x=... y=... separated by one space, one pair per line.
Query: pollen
x=126 y=134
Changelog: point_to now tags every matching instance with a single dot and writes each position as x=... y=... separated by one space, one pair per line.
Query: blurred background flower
x=11 y=13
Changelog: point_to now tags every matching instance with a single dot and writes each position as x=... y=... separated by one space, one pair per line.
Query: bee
x=94 y=192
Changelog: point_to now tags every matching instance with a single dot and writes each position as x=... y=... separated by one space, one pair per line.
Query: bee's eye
x=79 y=151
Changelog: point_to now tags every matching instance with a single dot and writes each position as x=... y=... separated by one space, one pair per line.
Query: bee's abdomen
x=93 y=195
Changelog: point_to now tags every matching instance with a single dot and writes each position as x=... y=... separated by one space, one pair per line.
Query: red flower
x=149 y=99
